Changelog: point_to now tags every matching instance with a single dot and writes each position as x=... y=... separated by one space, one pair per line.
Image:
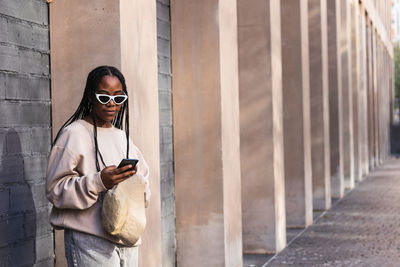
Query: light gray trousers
x=85 y=250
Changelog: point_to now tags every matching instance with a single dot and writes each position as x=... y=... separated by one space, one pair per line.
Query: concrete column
x=335 y=99
x=78 y=44
x=347 y=95
x=296 y=113
x=261 y=137
x=363 y=98
x=319 y=101
x=375 y=96
x=355 y=74
x=206 y=133
x=371 y=118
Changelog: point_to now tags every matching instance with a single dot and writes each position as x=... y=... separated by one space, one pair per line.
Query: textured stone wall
x=26 y=237
x=166 y=137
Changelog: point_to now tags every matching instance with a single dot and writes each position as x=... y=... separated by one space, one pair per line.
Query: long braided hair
x=86 y=107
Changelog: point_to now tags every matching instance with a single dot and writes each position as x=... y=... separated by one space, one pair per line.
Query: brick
x=167 y=225
x=41 y=140
x=167 y=206
x=166 y=136
x=27 y=88
x=37 y=224
x=45 y=263
x=169 y=239
x=30 y=61
x=167 y=153
x=35 y=167
x=3 y=30
x=21 y=198
x=11 y=169
x=164 y=82
x=167 y=189
x=163 y=29
x=168 y=249
x=166 y=170
x=29 y=10
x=43 y=226
x=22 y=254
x=9 y=58
x=165 y=117
x=18 y=141
x=45 y=64
x=11 y=230
x=164 y=2
x=164 y=65
x=163 y=12
x=164 y=100
x=4 y=200
x=27 y=35
x=2 y=86
x=44 y=247
x=22 y=113
x=163 y=47
x=39 y=195
x=3 y=133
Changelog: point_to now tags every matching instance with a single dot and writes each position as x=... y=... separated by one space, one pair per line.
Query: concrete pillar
x=319 y=101
x=363 y=97
x=261 y=137
x=206 y=133
x=355 y=88
x=78 y=44
x=375 y=96
x=371 y=118
x=296 y=113
x=347 y=95
x=335 y=99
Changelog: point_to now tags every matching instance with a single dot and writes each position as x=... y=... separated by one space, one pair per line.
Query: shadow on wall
x=17 y=209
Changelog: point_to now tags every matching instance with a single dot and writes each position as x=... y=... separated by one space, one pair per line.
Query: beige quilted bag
x=123 y=211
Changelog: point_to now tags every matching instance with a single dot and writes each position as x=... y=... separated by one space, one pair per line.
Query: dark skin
x=104 y=114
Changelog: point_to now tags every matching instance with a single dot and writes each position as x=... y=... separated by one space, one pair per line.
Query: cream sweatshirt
x=74 y=185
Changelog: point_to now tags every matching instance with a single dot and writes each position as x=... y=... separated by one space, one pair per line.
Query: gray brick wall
x=166 y=133
x=26 y=237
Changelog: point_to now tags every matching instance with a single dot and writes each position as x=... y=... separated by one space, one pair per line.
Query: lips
x=110 y=112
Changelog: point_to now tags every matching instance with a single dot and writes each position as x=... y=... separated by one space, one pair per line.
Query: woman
x=82 y=166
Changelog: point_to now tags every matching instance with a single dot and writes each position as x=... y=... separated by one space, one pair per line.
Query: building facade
x=252 y=115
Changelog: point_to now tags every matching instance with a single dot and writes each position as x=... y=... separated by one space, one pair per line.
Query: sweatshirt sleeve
x=65 y=188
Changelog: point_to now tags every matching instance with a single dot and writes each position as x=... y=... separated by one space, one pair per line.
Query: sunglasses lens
x=104 y=99
x=119 y=99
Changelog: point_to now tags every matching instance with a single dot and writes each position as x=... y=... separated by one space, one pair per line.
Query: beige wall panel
x=296 y=113
x=355 y=74
x=139 y=65
x=206 y=133
x=319 y=101
x=363 y=99
x=370 y=80
x=347 y=95
x=335 y=99
x=87 y=35
x=263 y=199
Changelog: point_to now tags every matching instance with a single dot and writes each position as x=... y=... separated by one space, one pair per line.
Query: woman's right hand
x=112 y=175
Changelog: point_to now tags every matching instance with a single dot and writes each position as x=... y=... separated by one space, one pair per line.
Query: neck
x=99 y=123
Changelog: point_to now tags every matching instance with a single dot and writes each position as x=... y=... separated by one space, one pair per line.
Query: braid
x=127 y=131
x=96 y=145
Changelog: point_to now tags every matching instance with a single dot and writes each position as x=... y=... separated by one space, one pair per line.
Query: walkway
x=362 y=229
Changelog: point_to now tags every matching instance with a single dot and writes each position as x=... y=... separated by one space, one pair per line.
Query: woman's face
x=105 y=113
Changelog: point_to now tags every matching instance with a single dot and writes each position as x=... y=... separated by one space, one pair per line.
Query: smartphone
x=125 y=162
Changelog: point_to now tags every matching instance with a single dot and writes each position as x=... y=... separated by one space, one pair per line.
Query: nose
x=111 y=103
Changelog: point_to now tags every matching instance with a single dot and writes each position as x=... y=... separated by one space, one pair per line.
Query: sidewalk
x=362 y=229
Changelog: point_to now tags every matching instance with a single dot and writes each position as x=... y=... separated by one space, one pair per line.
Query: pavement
x=361 y=229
